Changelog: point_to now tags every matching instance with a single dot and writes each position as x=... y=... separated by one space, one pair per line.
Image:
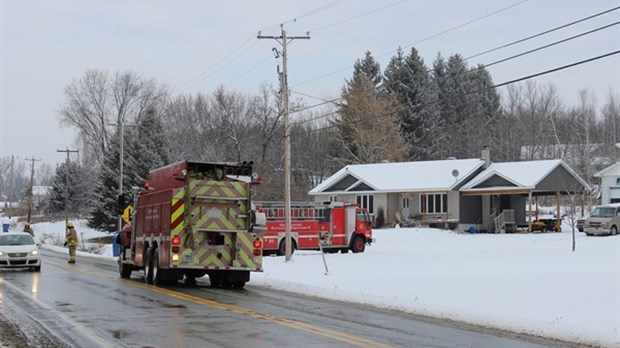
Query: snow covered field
x=530 y=283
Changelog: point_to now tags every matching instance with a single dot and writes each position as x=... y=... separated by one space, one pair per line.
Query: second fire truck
x=332 y=227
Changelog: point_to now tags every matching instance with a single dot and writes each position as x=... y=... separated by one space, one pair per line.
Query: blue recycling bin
x=5 y=227
x=116 y=248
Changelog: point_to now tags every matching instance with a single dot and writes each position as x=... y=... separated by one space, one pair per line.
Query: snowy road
x=87 y=305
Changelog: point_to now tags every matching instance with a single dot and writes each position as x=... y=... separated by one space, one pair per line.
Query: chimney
x=486 y=156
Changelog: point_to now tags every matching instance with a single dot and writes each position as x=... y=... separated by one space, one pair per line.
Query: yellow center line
x=331 y=334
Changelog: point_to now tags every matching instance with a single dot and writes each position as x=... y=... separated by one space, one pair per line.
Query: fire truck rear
x=332 y=227
x=195 y=218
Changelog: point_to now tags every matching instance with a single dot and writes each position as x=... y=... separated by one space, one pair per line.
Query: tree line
x=407 y=111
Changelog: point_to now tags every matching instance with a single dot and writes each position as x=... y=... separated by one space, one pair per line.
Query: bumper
x=19 y=262
x=590 y=231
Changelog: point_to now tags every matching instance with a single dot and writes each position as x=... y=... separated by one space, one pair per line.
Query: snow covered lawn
x=525 y=282
x=522 y=282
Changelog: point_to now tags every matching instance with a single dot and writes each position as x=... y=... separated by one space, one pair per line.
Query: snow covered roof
x=400 y=176
x=613 y=170
x=41 y=190
x=522 y=175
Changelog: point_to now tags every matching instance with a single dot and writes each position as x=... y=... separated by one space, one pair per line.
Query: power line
x=357 y=16
x=481 y=90
x=548 y=45
x=422 y=40
x=543 y=33
x=200 y=77
x=484 y=66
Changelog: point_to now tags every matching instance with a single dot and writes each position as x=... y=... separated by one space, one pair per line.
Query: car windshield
x=14 y=239
x=603 y=212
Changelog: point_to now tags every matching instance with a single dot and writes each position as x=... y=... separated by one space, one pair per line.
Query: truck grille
x=18 y=254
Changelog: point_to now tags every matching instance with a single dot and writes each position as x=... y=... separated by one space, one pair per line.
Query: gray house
x=463 y=192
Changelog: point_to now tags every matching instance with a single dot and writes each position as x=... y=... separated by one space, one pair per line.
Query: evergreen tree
x=409 y=80
x=369 y=68
x=104 y=210
x=457 y=105
x=78 y=190
x=149 y=149
x=366 y=127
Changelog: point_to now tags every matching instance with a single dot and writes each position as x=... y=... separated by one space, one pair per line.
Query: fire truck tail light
x=176 y=249
x=175 y=258
x=176 y=240
x=258 y=244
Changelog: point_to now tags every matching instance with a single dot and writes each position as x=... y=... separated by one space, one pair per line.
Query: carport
x=503 y=189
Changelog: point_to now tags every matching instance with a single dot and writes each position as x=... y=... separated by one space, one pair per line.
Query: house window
x=366 y=202
x=434 y=203
x=406 y=202
x=333 y=198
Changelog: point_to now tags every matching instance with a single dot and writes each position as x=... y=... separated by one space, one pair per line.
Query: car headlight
x=1 y=253
x=34 y=252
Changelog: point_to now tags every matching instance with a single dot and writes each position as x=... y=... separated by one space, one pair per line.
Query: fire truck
x=330 y=226
x=194 y=219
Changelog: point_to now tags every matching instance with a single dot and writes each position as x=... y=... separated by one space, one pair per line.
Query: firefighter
x=28 y=229
x=71 y=241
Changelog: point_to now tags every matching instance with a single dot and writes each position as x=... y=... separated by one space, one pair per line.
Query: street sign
x=127 y=214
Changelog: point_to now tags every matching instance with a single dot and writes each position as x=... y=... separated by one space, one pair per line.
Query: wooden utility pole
x=11 y=186
x=284 y=40
x=67 y=187
x=32 y=160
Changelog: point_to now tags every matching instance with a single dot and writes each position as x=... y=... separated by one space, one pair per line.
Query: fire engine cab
x=330 y=226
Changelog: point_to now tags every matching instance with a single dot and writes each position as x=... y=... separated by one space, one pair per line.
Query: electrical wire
x=201 y=76
x=543 y=33
x=357 y=16
x=484 y=66
x=481 y=90
x=422 y=40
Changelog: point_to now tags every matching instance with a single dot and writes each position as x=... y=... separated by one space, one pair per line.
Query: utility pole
x=11 y=186
x=31 y=184
x=284 y=40
x=67 y=187
x=120 y=160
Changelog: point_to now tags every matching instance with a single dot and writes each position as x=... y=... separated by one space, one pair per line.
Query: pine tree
x=148 y=149
x=457 y=105
x=104 y=213
x=366 y=127
x=409 y=80
x=78 y=190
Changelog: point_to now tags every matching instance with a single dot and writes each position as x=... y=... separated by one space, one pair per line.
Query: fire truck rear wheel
x=282 y=247
x=358 y=245
x=157 y=275
x=148 y=266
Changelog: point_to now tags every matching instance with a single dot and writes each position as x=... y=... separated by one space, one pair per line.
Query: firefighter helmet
x=70 y=224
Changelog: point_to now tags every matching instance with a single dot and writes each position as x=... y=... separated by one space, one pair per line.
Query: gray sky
x=195 y=46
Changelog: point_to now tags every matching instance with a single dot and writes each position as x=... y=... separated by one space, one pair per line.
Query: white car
x=18 y=250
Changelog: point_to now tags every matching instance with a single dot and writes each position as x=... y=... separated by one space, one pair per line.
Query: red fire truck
x=195 y=218
x=335 y=226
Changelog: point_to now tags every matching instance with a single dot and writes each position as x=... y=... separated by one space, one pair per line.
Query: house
x=464 y=192
x=506 y=188
x=610 y=184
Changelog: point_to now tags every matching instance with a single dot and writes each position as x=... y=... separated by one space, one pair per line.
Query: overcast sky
x=196 y=46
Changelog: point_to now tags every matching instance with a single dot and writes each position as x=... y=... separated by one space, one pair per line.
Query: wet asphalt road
x=88 y=305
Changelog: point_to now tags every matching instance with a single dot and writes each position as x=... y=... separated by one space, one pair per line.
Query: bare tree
x=99 y=99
